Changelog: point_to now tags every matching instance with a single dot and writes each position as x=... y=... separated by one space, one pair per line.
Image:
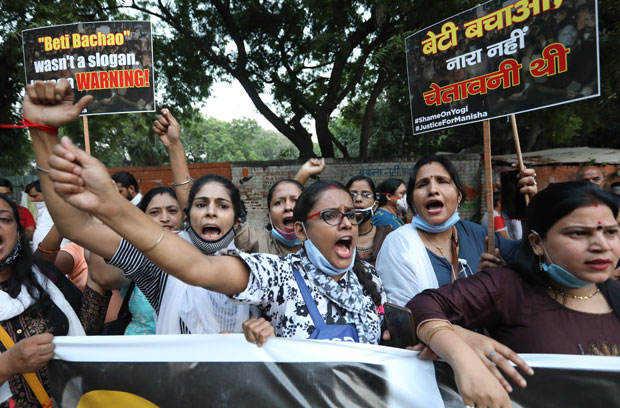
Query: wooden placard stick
x=515 y=134
x=488 y=181
x=86 y=134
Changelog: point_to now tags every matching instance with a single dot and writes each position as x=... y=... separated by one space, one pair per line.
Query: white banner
x=225 y=370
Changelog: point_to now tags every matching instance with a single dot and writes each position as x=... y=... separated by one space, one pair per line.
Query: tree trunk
x=301 y=138
x=370 y=111
x=323 y=135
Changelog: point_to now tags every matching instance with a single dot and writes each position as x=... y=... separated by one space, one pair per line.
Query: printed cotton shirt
x=272 y=287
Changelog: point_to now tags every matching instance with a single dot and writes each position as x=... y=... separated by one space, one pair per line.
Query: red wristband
x=28 y=124
x=48 y=251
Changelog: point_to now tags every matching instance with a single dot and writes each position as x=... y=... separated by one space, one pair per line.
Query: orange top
x=79 y=274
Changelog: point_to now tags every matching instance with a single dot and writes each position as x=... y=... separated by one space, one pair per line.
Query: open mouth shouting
x=434 y=206
x=211 y=232
x=344 y=247
x=288 y=223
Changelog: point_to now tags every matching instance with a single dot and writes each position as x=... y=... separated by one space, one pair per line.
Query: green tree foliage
x=593 y=122
x=311 y=56
x=214 y=140
x=340 y=64
x=15 y=16
x=128 y=140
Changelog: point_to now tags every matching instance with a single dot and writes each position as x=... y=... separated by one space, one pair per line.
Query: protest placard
x=110 y=60
x=501 y=58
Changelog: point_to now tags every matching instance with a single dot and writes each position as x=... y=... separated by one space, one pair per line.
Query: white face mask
x=401 y=204
x=368 y=212
x=40 y=205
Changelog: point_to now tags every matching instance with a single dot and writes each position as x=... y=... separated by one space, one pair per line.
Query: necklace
x=361 y=234
x=437 y=247
x=566 y=295
x=364 y=253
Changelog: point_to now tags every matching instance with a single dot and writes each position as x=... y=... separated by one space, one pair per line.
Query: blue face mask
x=289 y=241
x=286 y=241
x=564 y=277
x=561 y=275
x=317 y=259
x=419 y=223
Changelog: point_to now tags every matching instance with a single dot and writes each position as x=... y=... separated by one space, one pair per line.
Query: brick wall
x=254 y=179
x=153 y=176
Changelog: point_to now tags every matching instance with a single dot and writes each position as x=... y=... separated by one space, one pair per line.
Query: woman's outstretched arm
x=84 y=183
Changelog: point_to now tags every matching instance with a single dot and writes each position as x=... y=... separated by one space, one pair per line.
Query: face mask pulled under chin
x=40 y=205
x=559 y=274
x=320 y=262
x=369 y=212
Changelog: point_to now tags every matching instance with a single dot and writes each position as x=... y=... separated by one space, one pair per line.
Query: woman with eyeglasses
x=370 y=236
x=392 y=201
x=321 y=292
x=438 y=247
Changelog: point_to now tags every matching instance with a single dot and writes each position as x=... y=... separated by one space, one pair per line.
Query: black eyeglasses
x=365 y=195
x=334 y=217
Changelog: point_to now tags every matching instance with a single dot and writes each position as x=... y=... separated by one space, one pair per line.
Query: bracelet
x=183 y=182
x=28 y=124
x=435 y=329
x=42 y=170
x=156 y=242
x=47 y=251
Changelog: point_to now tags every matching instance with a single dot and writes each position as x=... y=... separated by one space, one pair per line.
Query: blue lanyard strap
x=310 y=303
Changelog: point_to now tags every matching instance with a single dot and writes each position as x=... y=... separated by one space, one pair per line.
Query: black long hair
x=146 y=199
x=387 y=186
x=23 y=273
x=368 y=180
x=447 y=164
x=304 y=204
x=235 y=196
x=548 y=207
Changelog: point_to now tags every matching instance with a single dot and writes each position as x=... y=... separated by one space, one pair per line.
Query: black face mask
x=12 y=256
x=368 y=213
x=210 y=247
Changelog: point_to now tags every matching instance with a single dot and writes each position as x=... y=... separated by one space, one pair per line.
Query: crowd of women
x=331 y=256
